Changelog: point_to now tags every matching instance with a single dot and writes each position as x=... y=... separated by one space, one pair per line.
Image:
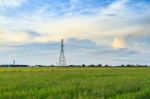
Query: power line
x=20 y=50
x=36 y=54
x=29 y=55
x=42 y=44
x=27 y=45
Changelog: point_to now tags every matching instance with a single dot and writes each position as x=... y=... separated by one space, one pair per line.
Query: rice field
x=75 y=83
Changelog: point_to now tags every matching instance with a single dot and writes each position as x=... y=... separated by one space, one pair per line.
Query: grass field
x=75 y=83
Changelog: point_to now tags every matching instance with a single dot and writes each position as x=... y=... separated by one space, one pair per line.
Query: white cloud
x=100 y=27
x=74 y=3
x=11 y=3
x=115 y=19
x=114 y=7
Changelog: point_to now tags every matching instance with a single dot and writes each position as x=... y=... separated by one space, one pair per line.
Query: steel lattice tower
x=62 y=60
x=14 y=62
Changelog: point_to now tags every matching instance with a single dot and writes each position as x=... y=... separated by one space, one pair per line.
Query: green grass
x=74 y=83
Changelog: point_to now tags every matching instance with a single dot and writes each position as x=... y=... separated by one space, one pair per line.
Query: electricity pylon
x=62 y=60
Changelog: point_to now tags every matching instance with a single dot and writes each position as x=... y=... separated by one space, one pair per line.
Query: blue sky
x=95 y=31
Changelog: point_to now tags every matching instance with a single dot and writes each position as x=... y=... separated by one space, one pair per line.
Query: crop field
x=75 y=83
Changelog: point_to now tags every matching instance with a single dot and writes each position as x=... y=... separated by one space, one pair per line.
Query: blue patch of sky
x=31 y=49
x=59 y=7
x=145 y=39
x=74 y=43
x=139 y=6
x=62 y=7
x=139 y=1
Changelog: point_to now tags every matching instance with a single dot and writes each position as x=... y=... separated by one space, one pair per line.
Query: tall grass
x=74 y=83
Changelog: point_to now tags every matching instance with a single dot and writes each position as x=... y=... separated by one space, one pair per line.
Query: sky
x=112 y=32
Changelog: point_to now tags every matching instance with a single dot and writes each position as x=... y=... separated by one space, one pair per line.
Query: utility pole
x=62 y=60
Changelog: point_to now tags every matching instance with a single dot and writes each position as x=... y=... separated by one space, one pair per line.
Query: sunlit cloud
x=9 y=37
x=118 y=43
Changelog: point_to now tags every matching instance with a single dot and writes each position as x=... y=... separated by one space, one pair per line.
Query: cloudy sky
x=95 y=31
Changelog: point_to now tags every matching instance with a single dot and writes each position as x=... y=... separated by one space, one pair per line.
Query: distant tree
x=71 y=65
x=99 y=65
x=92 y=65
x=83 y=65
x=52 y=65
x=106 y=66
x=145 y=66
x=122 y=65
x=128 y=65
